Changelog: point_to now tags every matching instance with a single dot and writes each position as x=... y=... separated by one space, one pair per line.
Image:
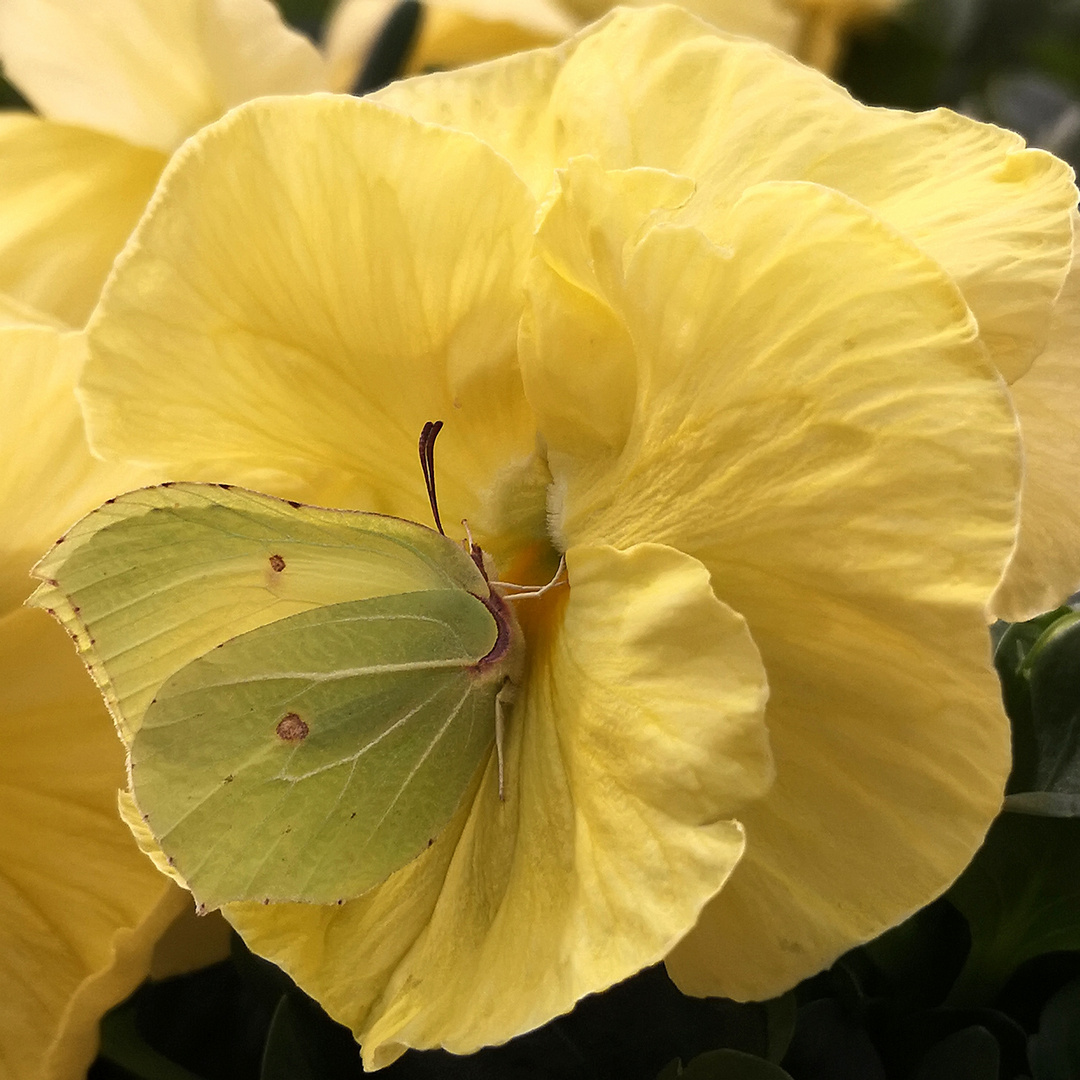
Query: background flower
x=118 y=85
x=80 y=908
x=456 y=32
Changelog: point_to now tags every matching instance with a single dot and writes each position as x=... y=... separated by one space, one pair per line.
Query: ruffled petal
x=147 y=72
x=661 y=89
x=996 y=216
x=47 y=476
x=80 y=907
x=572 y=343
x=290 y=321
x=835 y=448
x=69 y=199
x=1045 y=567
x=637 y=737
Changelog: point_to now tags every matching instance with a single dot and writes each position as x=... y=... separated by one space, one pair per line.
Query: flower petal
x=996 y=216
x=80 y=907
x=573 y=345
x=15 y=312
x=891 y=756
x=1045 y=567
x=834 y=447
x=69 y=199
x=661 y=89
x=147 y=72
x=47 y=476
x=272 y=308
x=638 y=735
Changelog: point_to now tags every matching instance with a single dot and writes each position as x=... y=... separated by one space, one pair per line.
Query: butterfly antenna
x=427 y=463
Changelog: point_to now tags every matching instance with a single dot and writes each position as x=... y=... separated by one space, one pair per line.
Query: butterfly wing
x=274 y=670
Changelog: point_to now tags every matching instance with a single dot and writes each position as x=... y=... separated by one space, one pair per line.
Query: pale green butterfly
x=306 y=694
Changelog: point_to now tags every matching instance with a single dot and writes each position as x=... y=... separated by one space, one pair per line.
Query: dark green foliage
x=1055 y=1048
x=1013 y=62
x=391 y=48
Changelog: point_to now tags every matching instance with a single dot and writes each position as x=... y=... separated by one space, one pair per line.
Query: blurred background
x=1012 y=62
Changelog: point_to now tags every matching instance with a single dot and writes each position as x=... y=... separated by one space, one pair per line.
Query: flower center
x=513 y=520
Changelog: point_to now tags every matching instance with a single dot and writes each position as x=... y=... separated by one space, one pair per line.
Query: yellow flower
x=722 y=338
x=456 y=32
x=119 y=85
x=998 y=218
x=80 y=909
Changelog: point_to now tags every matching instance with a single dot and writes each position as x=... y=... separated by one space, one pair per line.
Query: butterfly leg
x=504 y=700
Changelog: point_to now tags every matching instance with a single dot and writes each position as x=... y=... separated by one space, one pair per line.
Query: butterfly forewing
x=305 y=694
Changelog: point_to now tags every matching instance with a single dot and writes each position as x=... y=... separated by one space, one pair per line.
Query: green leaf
x=1052 y=670
x=922 y=957
x=284 y=1057
x=389 y=52
x=1054 y=1050
x=732 y=1065
x=122 y=1044
x=1014 y=645
x=1020 y=897
x=969 y=1054
x=781 y=1014
x=1044 y=803
x=306 y=694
